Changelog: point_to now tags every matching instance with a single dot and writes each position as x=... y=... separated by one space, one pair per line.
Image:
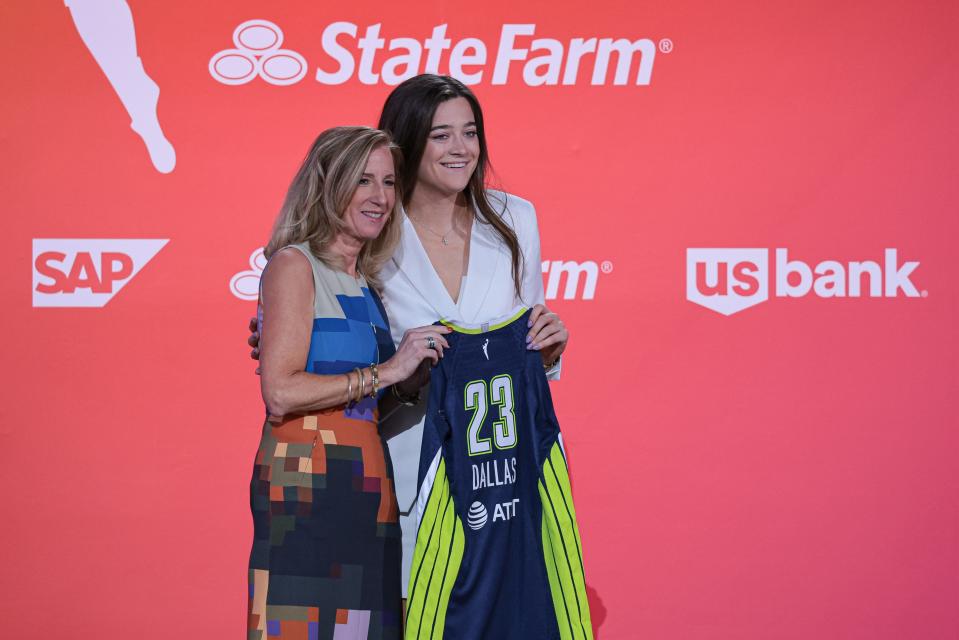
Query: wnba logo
x=730 y=280
x=258 y=53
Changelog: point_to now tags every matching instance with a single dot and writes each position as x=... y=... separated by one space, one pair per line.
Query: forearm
x=410 y=385
x=301 y=392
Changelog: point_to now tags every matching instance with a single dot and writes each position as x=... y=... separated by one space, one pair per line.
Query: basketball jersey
x=498 y=553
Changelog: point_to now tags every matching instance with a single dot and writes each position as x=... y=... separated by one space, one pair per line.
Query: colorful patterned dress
x=325 y=561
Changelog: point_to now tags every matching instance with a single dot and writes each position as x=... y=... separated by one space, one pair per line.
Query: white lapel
x=411 y=258
x=488 y=264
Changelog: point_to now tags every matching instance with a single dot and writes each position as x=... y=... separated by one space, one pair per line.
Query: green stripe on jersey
x=436 y=562
x=558 y=461
x=559 y=524
x=555 y=588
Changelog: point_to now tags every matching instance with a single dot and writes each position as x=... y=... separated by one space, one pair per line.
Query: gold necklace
x=442 y=236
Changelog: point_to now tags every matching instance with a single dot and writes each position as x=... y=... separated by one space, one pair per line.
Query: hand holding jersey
x=498 y=553
x=547 y=333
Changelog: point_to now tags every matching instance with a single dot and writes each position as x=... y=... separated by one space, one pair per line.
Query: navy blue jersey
x=498 y=553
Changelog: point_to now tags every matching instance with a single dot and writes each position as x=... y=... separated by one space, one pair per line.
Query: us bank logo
x=731 y=280
x=520 y=55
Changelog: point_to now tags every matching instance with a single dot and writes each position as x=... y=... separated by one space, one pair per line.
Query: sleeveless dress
x=325 y=561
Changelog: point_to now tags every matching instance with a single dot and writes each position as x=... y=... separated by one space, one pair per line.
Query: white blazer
x=414 y=296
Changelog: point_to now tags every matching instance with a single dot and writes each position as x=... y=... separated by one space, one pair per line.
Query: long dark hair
x=408 y=115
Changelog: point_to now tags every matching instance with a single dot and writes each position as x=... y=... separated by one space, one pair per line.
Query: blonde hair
x=321 y=191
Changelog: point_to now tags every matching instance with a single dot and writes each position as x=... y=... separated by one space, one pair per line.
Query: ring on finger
x=430 y=342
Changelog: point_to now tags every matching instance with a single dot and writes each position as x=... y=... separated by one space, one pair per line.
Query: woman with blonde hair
x=326 y=550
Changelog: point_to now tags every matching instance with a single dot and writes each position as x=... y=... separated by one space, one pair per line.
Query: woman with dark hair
x=466 y=253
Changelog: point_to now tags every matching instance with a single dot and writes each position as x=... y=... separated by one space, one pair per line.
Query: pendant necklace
x=442 y=236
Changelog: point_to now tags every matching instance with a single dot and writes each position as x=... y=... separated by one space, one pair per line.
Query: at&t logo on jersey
x=730 y=280
x=86 y=273
x=477 y=516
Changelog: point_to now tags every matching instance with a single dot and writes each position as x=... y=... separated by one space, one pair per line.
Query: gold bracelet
x=375 y=375
x=359 y=384
x=547 y=367
x=349 y=387
x=359 y=390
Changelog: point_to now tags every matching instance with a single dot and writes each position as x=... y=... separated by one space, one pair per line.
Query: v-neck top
x=409 y=229
x=414 y=294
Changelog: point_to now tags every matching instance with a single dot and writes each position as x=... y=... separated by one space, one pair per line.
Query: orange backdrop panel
x=786 y=471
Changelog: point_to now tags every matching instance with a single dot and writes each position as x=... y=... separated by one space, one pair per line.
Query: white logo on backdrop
x=245 y=285
x=727 y=280
x=541 y=61
x=107 y=30
x=578 y=278
x=571 y=274
x=730 y=280
x=258 y=53
x=87 y=272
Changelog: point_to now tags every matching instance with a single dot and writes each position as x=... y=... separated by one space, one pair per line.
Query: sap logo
x=544 y=61
x=570 y=272
x=86 y=273
x=730 y=280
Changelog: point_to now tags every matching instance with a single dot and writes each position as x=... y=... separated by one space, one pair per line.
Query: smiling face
x=452 y=149
x=373 y=200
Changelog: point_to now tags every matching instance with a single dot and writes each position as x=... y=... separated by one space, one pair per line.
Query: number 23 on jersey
x=478 y=396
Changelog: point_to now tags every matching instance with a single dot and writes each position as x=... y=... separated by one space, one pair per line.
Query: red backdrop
x=786 y=471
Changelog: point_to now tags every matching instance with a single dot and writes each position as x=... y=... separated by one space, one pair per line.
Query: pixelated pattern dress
x=325 y=561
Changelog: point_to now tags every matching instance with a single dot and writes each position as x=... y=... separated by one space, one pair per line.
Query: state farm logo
x=519 y=53
x=576 y=279
x=245 y=284
x=258 y=53
x=86 y=273
x=570 y=274
x=730 y=280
